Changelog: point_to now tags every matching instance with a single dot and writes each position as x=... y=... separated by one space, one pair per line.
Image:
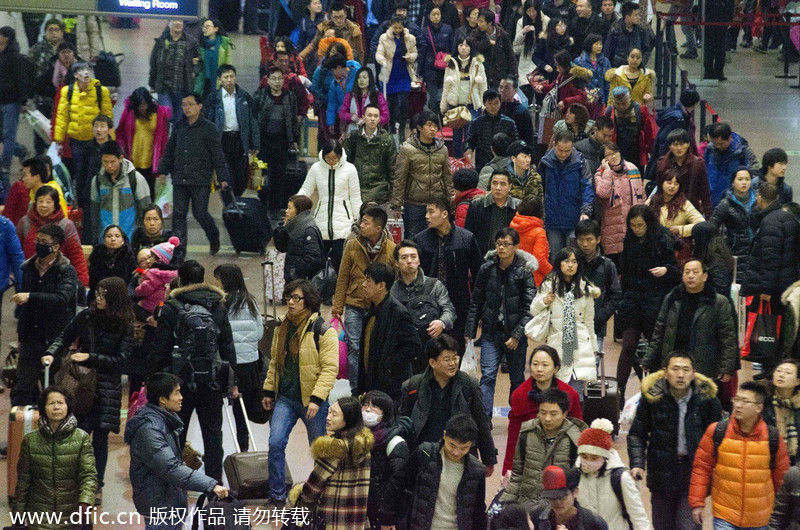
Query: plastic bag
x=629 y=410
x=469 y=365
x=164 y=196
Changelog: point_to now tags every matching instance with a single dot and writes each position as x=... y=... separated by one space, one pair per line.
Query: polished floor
x=758 y=106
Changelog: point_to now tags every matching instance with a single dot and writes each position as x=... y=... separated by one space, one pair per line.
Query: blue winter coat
x=598 y=69
x=157 y=473
x=246 y=116
x=721 y=166
x=320 y=83
x=336 y=94
x=568 y=190
x=11 y=256
x=442 y=42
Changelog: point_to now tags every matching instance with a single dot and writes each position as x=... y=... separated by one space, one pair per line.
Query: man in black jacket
x=45 y=303
x=593 y=147
x=485 y=126
x=513 y=108
x=492 y=41
x=442 y=391
x=389 y=340
x=193 y=151
x=772 y=265
x=451 y=254
x=786 y=514
x=582 y=25
x=448 y=482
x=501 y=302
x=694 y=317
x=676 y=407
x=489 y=213
x=177 y=331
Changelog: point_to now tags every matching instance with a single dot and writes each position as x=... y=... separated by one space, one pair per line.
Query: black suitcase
x=601 y=397
x=295 y=175
x=248 y=225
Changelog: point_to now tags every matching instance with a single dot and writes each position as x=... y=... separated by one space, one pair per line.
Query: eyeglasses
x=294 y=298
x=339 y=17
x=743 y=401
x=503 y=244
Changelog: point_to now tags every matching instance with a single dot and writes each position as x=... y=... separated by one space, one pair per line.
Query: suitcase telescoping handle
x=235 y=204
x=602 y=356
x=46 y=375
x=246 y=422
x=271 y=266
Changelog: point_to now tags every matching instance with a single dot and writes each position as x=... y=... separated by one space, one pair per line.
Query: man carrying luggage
x=158 y=475
x=193 y=151
x=194 y=323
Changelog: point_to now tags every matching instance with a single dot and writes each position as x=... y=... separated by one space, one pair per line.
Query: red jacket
x=17 y=202
x=523 y=409
x=533 y=240
x=127 y=129
x=29 y=225
x=742 y=485
x=569 y=93
x=461 y=203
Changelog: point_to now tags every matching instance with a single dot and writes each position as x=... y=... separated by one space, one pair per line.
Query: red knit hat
x=595 y=441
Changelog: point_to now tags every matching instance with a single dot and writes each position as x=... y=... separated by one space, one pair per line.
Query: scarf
x=288 y=332
x=373 y=250
x=211 y=57
x=59 y=74
x=784 y=416
x=569 y=340
x=381 y=434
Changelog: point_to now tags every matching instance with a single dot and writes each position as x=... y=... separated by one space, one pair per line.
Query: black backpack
x=616 y=485
x=195 y=356
x=772 y=433
x=423 y=308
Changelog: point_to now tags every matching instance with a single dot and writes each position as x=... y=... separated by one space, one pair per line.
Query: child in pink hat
x=154 y=280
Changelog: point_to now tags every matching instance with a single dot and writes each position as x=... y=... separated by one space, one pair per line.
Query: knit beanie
x=595 y=440
x=164 y=251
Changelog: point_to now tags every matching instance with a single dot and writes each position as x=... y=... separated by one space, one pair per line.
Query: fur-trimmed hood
x=531 y=263
x=791 y=296
x=203 y=294
x=620 y=71
x=654 y=386
x=331 y=448
x=581 y=73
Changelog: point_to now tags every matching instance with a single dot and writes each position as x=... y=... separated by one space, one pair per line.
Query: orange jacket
x=533 y=240
x=742 y=485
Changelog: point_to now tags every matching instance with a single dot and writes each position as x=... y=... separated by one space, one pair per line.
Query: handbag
x=538 y=326
x=256 y=174
x=457 y=117
x=762 y=339
x=440 y=62
x=325 y=280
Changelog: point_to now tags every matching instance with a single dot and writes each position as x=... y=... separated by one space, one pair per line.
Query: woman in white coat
x=464 y=84
x=336 y=180
x=606 y=486
x=563 y=317
x=529 y=26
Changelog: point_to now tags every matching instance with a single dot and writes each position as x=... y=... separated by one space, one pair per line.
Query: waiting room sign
x=137 y=8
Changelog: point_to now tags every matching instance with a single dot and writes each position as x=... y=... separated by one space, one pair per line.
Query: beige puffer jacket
x=531 y=457
x=385 y=53
x=421 y=175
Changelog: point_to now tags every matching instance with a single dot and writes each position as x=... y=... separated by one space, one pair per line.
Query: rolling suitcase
x=248 y=473
x=601 y=398
x=295 y=174
x=248 y=225
x=21 y=421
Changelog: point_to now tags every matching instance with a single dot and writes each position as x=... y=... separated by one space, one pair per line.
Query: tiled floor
x=762 y=108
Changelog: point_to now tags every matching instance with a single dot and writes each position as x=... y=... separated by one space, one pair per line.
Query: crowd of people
x=622 y=217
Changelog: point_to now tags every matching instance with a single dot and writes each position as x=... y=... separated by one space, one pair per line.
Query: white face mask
x=371 y=419
x=590 y=466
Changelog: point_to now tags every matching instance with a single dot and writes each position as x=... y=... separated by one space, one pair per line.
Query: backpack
x=616 y=485
x=772 y=433
x=319 y=327
x=195 y=356
x=423 y=308
x=131 y=179
x=98 y=93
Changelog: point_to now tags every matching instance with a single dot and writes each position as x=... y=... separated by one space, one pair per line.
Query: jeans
x=414 y=219
x=198 y=195
x=721 y=524
x=172 y=100
x=688 y=31
x=492 y=352
x=91 y=424
x=284 y=417
x=434 y=96
x=558 y=238
x=208 y=404
x=460 y=135
x=672 y=512
x=353 y=322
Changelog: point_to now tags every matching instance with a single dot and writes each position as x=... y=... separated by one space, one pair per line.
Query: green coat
x=224 y=57
x=55 y=472
x=374 y=159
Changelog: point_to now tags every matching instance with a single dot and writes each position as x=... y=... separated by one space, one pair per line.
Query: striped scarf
x=784 y=414
x=569 y=341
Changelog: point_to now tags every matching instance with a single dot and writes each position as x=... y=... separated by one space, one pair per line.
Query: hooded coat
x=158 y=475
x=712 y=337
x=119 y=202
x=653 y=437
x=338 y=487
x=109 y=344
x=569 y=192
x=644 y=84
x=461 y=204
x=515 y=296
x=339 y=196
x=55 y=472
x=533 y=454
x=533 y=240
x=619 y=192
x=151 y=290
x=374 y=159
x=785 y=193
x=597 y=494
x=355 y=259
x=421 y=173
x=74 y=118
x=583 y=365
x=302 y=241
x=772 y=264
x=126 y=130
x=721 y=166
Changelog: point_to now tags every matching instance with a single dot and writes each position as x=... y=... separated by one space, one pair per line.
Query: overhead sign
x=138 y=8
